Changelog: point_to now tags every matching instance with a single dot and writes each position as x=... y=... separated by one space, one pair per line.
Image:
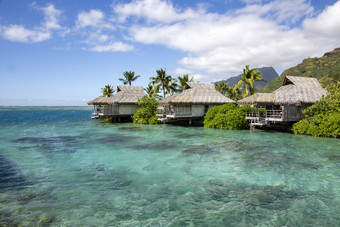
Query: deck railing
x=268 y=114
x=252 y=114
x=164 y=110
x=276 y=114
x=175 y=111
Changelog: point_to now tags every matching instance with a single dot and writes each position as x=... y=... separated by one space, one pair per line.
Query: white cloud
x=51 y=17
x=325 y=24
x=287 y=11
x=206 y=33
x=182 y=71
x=265 y=33
x=251 y=1
x=153 y=11
x=202 y=78
x=97 y=31
x=278 y=33
x=114 y=47
x=93 y=38
x=18 y=33
x=94 y=18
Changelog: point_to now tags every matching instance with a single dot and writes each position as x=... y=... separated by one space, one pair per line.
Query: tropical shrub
x=322 y=118
x=108 y=119
x=147 y=113
x=227 y=116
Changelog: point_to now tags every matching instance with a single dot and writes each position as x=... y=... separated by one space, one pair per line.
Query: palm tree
x=129 y=77
x=183 y=81
x=163 y=82
x=222 y=87
x=236 y=92
x=172 y=86
x=248 y=78
x=152 y=91
x=108 y=90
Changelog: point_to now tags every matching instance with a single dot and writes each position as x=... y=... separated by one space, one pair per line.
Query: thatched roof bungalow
x=99 y=101
x=127 y=95
x=299 y=91
x=287 y=102
x=258 y=99
x=123 y=103
x=192 y=103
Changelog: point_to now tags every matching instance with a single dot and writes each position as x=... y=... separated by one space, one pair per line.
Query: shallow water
x=60 y=168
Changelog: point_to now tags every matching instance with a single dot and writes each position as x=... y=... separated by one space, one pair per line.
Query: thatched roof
x=99 y=101
x=258 y=98
x=198 y=93
x=127 y=95
x=298 y=90
x=301 y=81
x=124 y=95
x=294 y=91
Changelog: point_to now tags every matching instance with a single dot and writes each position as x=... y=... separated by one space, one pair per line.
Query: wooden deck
x=261 y=118
x=178 y=116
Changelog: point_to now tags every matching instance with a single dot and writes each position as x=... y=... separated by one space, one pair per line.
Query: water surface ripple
x=60 y=168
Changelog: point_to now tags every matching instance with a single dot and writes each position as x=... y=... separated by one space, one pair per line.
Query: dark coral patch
x=67 y=144
x=10 y=177
x=200 y=149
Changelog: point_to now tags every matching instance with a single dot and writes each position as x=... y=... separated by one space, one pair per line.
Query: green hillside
x=326 y=69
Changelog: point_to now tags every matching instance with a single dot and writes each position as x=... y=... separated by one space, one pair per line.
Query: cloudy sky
x=63 y=52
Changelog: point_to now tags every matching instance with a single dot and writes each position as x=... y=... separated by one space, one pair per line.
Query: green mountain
x=326 y=69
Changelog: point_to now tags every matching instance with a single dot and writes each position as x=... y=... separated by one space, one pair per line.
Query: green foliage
x=108 y=119
x=331 y=80
x=152 y=91
x=183 y=81
x=242 y=88
x=235 y=92
x=248 y=78
x=227 y=116
x=147 y=113
x=108 y=90
x=327 y=124
x=164 y=82
x=326 y=69
x=128 y=77
x=323 y=118
x=153 y=120
x=222 y=87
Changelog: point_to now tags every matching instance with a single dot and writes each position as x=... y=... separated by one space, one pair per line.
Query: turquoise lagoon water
x=60 y=168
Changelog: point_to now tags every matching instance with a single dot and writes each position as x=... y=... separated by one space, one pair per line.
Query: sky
x=62 y=52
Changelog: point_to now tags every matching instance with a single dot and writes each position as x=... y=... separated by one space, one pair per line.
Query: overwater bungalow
x=191 y=104
x=121 y=105
x=284 y=105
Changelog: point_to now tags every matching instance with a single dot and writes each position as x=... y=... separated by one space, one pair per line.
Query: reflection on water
x=72 y=171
